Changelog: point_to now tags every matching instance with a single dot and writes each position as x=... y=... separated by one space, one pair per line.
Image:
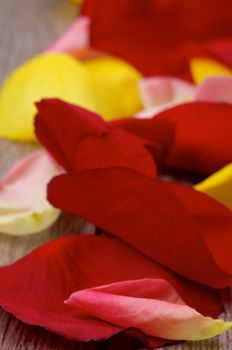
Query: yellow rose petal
x=117 y=85
x=219 y=186
x=47 y=75
x=107 y=86
x=201 y=68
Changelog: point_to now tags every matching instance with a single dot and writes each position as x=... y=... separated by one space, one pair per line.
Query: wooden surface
x=26 y=28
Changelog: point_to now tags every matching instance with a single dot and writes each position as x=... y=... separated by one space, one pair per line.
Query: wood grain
x=26 y=28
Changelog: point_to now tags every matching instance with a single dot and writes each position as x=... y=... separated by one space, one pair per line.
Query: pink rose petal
x=156 y=91
x=75 y=38
x=215 y=89
x=151 y=305
x=160 y=93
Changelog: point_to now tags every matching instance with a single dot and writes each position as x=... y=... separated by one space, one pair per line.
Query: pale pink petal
x=215 y=89
x=75 y=38
x=158 y=91
x=151 y=305
x=161 y=93
x=23 y=205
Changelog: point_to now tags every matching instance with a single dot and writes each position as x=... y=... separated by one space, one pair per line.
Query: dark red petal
x=80 y=139
x=52 y=126
x=35 y=287
x=145 y=214
x=203 y=141
x=158 y=36
x=158 y=133
x=117 y=149
x=213 y=219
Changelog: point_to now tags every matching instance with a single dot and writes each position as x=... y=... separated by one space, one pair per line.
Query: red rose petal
x=56 y=133
x=147 y=215
x=222 y=49
x=158 y=133
x=214 y=220
x=117 y=149
x=87 y=132
x=55 y=270
x=145 y=32
x=203 y=141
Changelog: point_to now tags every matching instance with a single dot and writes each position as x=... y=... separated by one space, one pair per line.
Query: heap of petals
x=111 y=178
x=155 y=228
x=123 y=135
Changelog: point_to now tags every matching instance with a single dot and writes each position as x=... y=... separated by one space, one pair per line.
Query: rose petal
x=47 y=75
x=212 y=148
x=60 y=75
x=158 y=91
x=55 y=270
x=118 y=81
x=219 y=186
x=157 y=132
x=23 y=205
x=211 y=122
x=112 y=146
x=133 y=31
x=215 y=89
x=152 y=305
x=74 y=39
x=214 y=221
x=53 y=135
x=110 y=149
x=222 y=49
x=112 y=198
x=202 y=68
x=159 y=94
